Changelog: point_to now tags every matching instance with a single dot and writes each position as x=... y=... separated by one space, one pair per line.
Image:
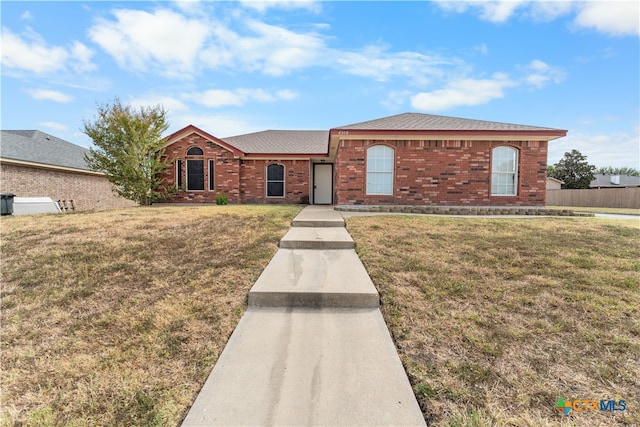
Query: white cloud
x=218 y=125
x=539 y=74
x=545 y=11
x=49 y=95
x=263 y=5
x=611 y=17
x=54 y=125
x=138 y=40
x=168 y=103
x=143 y=41
x=461 y=92
x=281 y=50
x=378 y=63
x=494 y=11
x=26 y=15
x=215 y=98
x=81 y=55
x=31 y=55
x=617 y=149
x=268 y=49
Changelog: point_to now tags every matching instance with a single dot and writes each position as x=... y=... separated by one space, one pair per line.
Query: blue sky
x=238 y=67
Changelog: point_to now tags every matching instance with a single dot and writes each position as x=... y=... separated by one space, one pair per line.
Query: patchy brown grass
x=494 y=319
x=116 y=317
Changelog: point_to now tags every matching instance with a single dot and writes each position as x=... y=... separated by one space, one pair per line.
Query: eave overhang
x=37 y=165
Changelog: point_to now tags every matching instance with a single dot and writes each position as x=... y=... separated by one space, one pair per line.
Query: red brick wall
x=253 y=181
x=448 y=173
x=87 y=191
x=243 y=181
x=226 y=171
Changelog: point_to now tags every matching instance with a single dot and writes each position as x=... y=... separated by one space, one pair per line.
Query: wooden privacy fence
x=628 y=197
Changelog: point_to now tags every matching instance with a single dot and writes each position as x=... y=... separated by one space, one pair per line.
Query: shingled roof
x=34 y=146
x=281 y=142
x=419 y=121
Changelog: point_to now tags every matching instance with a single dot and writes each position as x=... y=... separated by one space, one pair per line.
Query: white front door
x=322 y=184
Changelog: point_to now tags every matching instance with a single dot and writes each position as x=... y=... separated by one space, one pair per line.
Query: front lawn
x=495 y=319
x=116 y=317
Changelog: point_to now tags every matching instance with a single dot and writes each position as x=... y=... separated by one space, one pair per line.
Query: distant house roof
x=419 y=121
x=34 y=146
x=281 y=142
x=603 y=180
x=550 y=178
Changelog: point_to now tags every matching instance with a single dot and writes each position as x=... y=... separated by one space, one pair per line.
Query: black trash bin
x=6 y=204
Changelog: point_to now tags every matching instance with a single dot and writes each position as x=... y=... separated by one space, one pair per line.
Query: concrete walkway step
x=318 y=216
x=317 y=238
x=314 y=278
x=313 y=367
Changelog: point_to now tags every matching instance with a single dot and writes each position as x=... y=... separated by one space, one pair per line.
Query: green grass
x=494 y=319
x=117 y=317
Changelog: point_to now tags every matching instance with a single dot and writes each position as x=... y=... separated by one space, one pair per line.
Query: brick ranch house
x=406 y=159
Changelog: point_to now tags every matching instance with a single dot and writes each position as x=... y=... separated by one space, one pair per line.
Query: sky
x=232 y=68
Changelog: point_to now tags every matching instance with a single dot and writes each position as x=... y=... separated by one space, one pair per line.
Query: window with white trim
x=504 y=171
x=275 y=180
x=380 y=170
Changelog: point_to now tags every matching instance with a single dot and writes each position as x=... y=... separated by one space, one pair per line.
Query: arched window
x=504 y=171
x=380 y=170
x=275 y=180
x=195 y=170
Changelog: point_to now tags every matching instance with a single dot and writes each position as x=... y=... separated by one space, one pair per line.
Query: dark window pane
x=275 y=173
x=210 y=175
x=179 y=173
x=195 y=151
x=195 y=174
x=275 y=189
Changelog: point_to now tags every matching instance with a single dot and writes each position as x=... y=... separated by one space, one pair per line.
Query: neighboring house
x=36 y=164
x=554 y=184
x=614 y=181
x=406 y=159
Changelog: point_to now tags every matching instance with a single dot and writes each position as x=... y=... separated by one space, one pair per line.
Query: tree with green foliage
x=129 y=150
x=610 y=170
x=574 y=170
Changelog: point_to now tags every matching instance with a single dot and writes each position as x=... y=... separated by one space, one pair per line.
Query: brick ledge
x=462 y=210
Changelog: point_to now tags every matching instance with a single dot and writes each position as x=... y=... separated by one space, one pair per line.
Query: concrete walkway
x=312 y=348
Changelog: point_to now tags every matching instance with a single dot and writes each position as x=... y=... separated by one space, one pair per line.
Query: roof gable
x=34 y=146
x=190 y=129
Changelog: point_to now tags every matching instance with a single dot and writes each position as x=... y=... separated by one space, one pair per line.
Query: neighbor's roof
x=281 y=142
x=602 y=180
x=419 y=121
x=34 y=146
